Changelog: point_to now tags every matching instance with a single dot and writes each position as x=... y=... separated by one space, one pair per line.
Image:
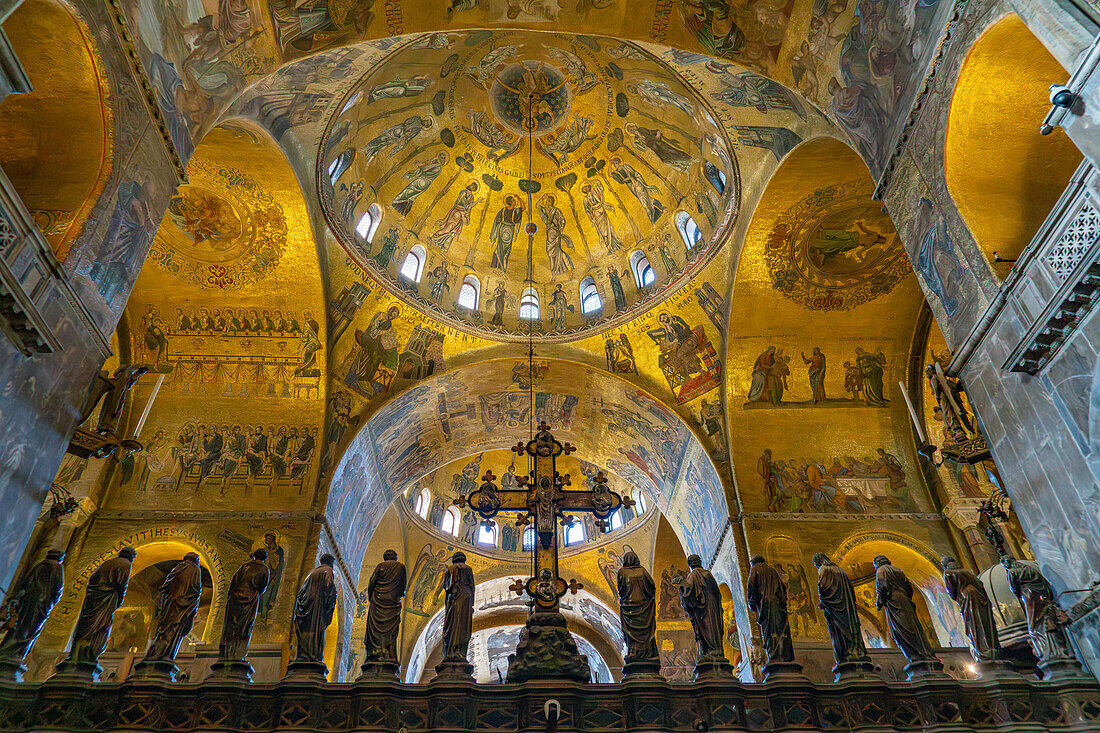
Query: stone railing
x=945 y=705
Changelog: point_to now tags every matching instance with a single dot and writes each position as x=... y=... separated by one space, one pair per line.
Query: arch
x=573 y=534
x=469 y=295
x=644 y=274
x=164 y=555
x=368 y=223
x=451 y=522
x=412 y=268
x=1002 y=175
x=591 y=304
x=689 y=230
x=529 y=538
x=423 y=503
x=487 y=533
x=715 y=176
x=529 y=305
x=56 y=141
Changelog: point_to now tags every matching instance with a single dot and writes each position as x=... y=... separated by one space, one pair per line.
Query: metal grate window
x=1074 y=242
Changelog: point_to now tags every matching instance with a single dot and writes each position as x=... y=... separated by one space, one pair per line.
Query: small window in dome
x=689 y=231
x=469 y=292
x=617 y=519
x=529 y=539
x=368 y=223
x=487 y=533
x=529 y=305
x=590 y=297
x=644 y=275
x=450 y=522
x=574 y=533
x=423 y=503
x=640 y=503
x=413 y=266
x=716 y=177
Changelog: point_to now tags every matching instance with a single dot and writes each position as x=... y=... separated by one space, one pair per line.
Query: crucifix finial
x=574 y=586
x=459 y=501
x=489 y=476
x=568 y=448
x=519 y=448
x=544 y=427
x=518 y=586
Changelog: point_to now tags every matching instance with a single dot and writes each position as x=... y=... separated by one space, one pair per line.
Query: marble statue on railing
x=702 y=602
x=894 y=595
x=105 y=593
x=313 y=609
x=1045 y=619
x=384 y=592
x=458 y=619
x=837 y=600
x=242 y=603
x=25 y=611
x=638 y=618
x=766 y=594
x=177 y=606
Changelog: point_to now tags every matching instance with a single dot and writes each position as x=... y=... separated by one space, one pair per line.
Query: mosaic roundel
x=835 y=250
x=526 y=166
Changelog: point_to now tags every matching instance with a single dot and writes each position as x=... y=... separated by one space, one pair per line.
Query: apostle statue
x=458 y=619
x=966 y=589
x=313 y=609
x=638 y=617
x=176 y=608
x=837 y=599
x=894 y=595
x=106 y=589
x=1045 y=619
x=384 y=591
x=767 y=597
x=245 y=589
x=702 y=602
x=26 y=610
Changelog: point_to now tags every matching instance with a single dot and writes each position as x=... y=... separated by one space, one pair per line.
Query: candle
x=913 y=413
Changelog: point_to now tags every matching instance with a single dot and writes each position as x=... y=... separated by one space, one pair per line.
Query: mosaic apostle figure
x=313 y=609
x=31 y=601
x=176 y=608
x=384 y=591
x=106 y=590
x=638 y=616
x=837 y=599
x=966 y=589
x=894 y=595
x=767 y=596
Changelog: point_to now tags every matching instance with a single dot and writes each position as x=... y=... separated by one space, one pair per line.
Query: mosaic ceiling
x=527 y=164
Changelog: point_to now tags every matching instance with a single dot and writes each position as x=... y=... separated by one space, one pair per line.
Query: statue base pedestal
x=777 y=671
x=996 y=669
x=642 y=669
x=71 y=670
x=12 y=671
x=231 y=669
x=379 y=670
x=547 y=651
x=1061 y=668
x=306 y=672
x=713 y=667
x=855 y=669
x=155 y=669
x=925 y=669
x=454 y=670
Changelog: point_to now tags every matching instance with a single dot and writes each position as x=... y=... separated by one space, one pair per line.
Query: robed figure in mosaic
x=384 y=591
x=31 y=602
x=966 y=589
x=176 y=608
x=766 y=594
x=458 y=617
x=313 y=609
x=106 y=590
x=242 y=604
x=894 y=595
x=638 y=616
x=837 y=599
x=702 y=601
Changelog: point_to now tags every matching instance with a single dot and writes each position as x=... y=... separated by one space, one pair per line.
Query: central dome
x=516 y=183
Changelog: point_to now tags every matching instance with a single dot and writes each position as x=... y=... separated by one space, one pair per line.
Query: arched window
x=590 y=297
x=450 y=522
x=689 y=231
x=640 y=503
x=716 y=177
x=368 y=223
x=529 y=305
x=529 y=539
x=423 y=503
x=574 y=533
x=643 y=272
x=487 y=533
x=617 y=519
x=469 y=293
x=413 y=266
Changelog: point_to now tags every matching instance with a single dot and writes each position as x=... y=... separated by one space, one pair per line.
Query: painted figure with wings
x=746 y=89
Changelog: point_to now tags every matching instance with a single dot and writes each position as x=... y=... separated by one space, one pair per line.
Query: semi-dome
x=521 y=183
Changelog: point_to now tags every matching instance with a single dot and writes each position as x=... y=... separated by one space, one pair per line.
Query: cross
x=542 y=499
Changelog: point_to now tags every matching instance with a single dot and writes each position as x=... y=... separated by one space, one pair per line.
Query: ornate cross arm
x=488 y=500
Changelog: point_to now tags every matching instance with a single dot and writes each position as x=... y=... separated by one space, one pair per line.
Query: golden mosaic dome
x=519 y=183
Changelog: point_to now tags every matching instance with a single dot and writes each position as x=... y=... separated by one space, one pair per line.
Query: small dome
x=1009 y=611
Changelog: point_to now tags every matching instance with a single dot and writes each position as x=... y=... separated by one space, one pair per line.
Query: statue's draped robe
x=702 y=601
x=838 y=601
x=638 y=613
x=313 y=610
x=895 y=597
x=176 y=609
x=385 y=591
x=977 y=611
x=245 y=589
x=767 y=596
x=106 y=589
x=37 y=593
x=1044 y=617
x=458 y=619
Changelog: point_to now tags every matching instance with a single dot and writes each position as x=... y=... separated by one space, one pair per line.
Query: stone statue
x=966 y=589
x=313 y=609
x=384 y=591
x=176 y=608
x=894 y=595
x=106 y=590
x=112 y=392
x=702 y=601
x=242 y=603
x=26 y=610
x=638 y=617
x=837 y=599
x=458 y=619
x=1045 y=619
x=767 y=596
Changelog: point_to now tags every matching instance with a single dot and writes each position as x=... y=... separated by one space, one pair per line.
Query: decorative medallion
x=223 y=231
x=835 y=250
